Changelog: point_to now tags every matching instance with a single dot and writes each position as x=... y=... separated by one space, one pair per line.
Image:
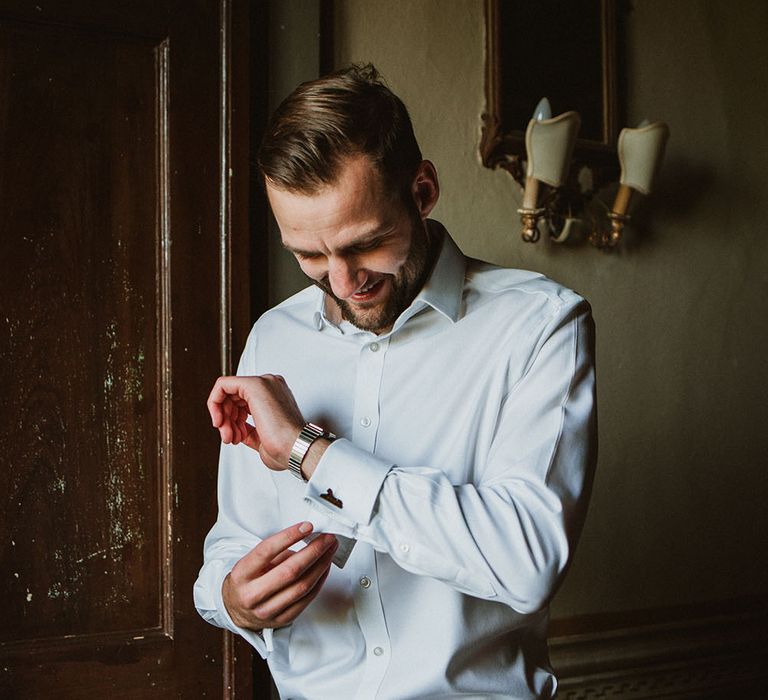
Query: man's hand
x=271 y=585
x=276 y=416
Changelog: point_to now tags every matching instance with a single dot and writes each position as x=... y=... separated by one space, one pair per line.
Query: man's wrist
x=314 y=454
x=308 y=436
x=226 y=590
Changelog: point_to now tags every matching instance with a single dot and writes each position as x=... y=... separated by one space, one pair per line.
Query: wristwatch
x=309 y=433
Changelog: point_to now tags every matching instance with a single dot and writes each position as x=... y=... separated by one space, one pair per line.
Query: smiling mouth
x=368 y=292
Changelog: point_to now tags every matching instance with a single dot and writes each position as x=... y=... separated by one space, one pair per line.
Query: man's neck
x=332 y=310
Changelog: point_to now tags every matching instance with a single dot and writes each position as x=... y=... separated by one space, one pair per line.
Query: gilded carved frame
x=503 y=144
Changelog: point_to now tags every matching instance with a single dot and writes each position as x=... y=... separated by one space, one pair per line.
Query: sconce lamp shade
x=640 y=154
x=549 y=144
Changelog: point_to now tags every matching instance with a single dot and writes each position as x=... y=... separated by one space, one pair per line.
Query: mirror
x=564 y=51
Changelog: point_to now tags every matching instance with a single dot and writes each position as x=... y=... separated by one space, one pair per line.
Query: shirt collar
x=443 y=291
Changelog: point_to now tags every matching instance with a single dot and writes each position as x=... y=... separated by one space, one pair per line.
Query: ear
x=425 y=188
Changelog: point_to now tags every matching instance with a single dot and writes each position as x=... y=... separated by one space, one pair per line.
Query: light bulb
x=543 y=110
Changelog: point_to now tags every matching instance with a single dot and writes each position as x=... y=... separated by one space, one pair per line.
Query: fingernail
x=333 y=542
x=305 y=527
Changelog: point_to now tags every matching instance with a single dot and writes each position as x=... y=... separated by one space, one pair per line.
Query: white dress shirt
x=467 y=441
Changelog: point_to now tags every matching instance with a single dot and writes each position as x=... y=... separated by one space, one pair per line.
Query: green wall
x=678 y=513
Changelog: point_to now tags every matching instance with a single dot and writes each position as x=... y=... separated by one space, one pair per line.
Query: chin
x=372 y=318
x=367 y=321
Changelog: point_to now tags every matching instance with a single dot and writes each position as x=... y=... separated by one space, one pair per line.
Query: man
x=462 y=396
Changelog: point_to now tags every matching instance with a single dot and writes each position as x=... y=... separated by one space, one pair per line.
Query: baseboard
x=723 y=656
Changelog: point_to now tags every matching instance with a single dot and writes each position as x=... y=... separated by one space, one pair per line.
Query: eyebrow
x=364 y=240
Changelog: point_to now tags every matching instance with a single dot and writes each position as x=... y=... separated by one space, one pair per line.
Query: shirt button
x=378 y=651
x=365 y=582
x=365 y=422
x=404 y=548
x=374 y=347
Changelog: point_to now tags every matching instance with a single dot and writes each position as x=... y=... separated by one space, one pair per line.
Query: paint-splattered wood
x=79 y=361
x=111 y=233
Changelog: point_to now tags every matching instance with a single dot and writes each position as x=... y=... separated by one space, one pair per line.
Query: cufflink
x=328 y=496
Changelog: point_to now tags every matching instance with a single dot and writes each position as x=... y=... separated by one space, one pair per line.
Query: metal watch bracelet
x=309 y=433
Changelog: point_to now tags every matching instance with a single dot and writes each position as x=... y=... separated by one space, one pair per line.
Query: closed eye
x=302 y=255
x=354 y=249
x=366 y=246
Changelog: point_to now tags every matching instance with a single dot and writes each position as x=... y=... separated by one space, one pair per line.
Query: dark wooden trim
x=228 y=680
x=327 y=62
x=55 y=647
x=718 y=678
x=164 y=350
x=258 y=236
x=610 y=73
x=137 y=34
x=239 y=51
x=679 y=614
x=725 y=647
x=225 y=187
x=258 y=211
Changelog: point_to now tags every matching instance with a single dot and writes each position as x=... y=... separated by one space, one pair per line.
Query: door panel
x=83 y=347
x=116 y=232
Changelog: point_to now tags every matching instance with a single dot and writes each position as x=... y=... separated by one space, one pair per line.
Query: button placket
x=370 y=368
x=370 y=616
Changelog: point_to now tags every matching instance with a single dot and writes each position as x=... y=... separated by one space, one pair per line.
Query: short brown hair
x=324 y=121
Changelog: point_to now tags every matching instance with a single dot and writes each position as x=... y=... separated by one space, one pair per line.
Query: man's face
x=360 y=244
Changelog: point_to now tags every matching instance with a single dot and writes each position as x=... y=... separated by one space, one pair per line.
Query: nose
x=344 y=276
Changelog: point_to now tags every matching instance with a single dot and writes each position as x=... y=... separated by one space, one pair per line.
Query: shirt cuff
x=346 y=483
x=210 y=604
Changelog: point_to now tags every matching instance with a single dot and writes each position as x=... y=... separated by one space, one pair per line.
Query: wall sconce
x=549 y=144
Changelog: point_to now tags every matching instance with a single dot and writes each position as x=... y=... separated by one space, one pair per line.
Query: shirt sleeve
x=510 y=535
x=246 y=499
x=229 y=540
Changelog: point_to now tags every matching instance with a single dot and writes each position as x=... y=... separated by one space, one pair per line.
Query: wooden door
x=123 y=237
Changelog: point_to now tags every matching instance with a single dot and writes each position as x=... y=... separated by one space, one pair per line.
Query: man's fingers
x=291 y=571
x=217 y=415
x=298 y=587
x=225 y=431
x=272 y=581
x=293 y=611
x=280 y=558
x=223 y=389
x=237 y=433
x=228 y=416
x=257 y=561
x=228 y=386
x=251 y=438
x=228 y=409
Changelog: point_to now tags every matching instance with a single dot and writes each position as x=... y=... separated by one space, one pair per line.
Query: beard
x=405 y=284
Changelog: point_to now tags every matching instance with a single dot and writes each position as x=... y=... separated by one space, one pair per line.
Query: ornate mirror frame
x=503 y=143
